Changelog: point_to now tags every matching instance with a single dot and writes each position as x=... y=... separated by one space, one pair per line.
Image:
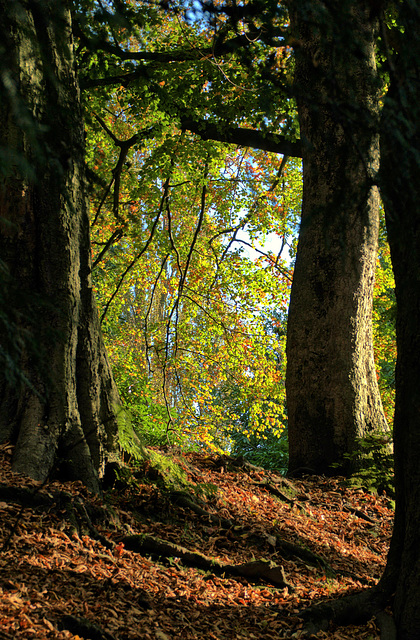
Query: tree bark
x=64 y=410
x=400 y=171
x=331 y=383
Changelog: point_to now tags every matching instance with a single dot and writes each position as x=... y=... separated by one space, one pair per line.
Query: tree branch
x=243 y=137
x=138 y=255
x=221 y=47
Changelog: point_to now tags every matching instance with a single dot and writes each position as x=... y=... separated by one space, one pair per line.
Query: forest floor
x=68 y=569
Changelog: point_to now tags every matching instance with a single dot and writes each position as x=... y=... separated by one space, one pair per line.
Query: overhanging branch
x=274 y=38
x=243 y=137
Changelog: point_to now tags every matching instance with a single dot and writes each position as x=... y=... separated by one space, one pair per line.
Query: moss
x=167 y=472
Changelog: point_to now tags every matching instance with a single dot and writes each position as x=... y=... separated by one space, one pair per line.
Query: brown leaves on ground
x=48 y=572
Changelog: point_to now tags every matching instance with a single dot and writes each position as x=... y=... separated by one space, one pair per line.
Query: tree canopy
x=176 y=204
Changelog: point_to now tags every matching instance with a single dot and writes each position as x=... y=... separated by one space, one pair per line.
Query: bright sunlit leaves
x=193 y=305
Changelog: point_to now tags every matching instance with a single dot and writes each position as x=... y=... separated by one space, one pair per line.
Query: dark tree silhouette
x=63 y=411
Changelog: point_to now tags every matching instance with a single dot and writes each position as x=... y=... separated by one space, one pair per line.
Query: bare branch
x=146 y=317
x=138 y=255
x=178 y=258
x=117 y=235
x=274 y=263
x=175 y=307
x=102 y=202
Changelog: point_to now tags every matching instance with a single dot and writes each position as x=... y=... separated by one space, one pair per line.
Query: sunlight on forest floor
x=50 y=570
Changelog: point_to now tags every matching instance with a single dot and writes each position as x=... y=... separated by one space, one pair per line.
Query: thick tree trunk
x=332 y=391
x=65 y=414
x=400 y=172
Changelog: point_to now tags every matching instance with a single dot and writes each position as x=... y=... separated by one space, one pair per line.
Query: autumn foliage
x=193 y=303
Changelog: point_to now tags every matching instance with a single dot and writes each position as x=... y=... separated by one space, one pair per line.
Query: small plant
x=129 y=440
x=166 y=472
x=269 y=450
x=205 y=490
x=377 y=470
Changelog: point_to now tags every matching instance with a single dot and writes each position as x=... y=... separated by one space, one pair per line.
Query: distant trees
x=187 y=306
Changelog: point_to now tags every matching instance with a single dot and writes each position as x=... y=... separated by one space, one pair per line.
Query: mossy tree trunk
x=63 y=411
x=331 y=384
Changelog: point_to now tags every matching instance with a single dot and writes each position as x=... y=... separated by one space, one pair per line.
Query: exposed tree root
x=271 y=488
x=288 y=549
x=80 y=515
x=77 y=513
x=258 y=570
x=229 y=462
x=24 y=497
x=271 y=483
x=358 y=513
x=184 y=500
x=353 y=609
x=387 y=626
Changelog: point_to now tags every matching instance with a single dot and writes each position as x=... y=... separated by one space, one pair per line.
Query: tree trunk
x=400 y=171
x=331 y=383
x=63 y=411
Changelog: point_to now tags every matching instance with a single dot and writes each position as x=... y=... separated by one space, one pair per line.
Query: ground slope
x=252 y=552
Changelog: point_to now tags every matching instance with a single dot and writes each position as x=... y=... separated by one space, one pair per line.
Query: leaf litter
x=50 y=572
